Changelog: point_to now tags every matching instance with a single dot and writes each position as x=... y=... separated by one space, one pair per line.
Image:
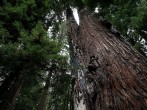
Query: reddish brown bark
x=112 y=75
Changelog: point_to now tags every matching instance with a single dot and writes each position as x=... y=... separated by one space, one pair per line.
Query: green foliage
x=77 y=3
x=60 y=96
x=25 y=45
x=28 y=98
x=22 y=15
x=129 y=18
x=91 y=4
x=138 y=22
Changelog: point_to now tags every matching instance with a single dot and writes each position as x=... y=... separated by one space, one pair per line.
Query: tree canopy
x=34 y=51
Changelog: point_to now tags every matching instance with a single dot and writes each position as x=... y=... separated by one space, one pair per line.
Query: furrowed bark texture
x=112 y=75
x=73 y=33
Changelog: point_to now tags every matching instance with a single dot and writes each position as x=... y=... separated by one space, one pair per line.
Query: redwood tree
x=109 y=74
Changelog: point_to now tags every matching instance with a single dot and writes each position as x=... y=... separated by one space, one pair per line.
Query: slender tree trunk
x=42 y=102
x=12 y=93
x=112 y=75
x=7 y=83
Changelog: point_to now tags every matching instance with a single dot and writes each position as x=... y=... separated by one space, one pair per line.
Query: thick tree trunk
x=112 y=75
x=12 y=94
x=42 y=102
x=72 y=33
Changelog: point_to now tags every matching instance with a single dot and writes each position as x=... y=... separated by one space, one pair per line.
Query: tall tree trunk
x=112 y=75
x=12 y=93
x=42 y=102
x=7 y=83
x=72 y=33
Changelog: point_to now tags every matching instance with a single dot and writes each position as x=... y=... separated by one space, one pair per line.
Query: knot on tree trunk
x=93 y=64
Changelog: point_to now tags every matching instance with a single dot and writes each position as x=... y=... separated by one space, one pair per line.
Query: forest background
x=35 y=71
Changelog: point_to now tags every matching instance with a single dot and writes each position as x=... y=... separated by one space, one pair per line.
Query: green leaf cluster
x=25 y=45
x=129 y=18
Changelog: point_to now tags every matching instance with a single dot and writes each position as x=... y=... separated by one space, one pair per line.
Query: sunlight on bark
x=76 y=16
x=79 y=105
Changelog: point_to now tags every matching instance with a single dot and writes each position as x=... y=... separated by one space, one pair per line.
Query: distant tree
x=129 y=18
x=106 y=72
x=26 y=50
